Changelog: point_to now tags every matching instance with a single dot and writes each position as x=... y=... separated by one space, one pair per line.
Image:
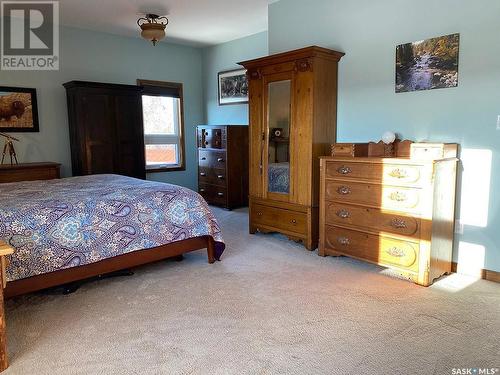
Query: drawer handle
x=398 y=196
x=344 y=170
x=202 y=190
x=344 y=241
x=259 y=213
x=220 y=177
x=398 y=223
x=203 y=174
x=396 y=252
x=344 y=190
x=220 y=159
x=293 y=221
x=398 y=173
x=203 y=158
x=220 y=194
x=206 y=143
x=343 y=214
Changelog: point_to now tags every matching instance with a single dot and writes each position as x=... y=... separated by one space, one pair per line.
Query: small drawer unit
x=395 y=212
x=223 y=164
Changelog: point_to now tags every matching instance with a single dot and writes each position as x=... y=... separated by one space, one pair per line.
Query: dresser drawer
x=377 y=172
x=278 y=218
x=387 y=197
x=212 y=159
x=212 y=137
x=212 y=176
x=378 y=249
x=371 y=219
x=213 y=194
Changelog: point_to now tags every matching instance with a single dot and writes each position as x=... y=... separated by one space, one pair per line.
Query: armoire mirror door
x=277 y=132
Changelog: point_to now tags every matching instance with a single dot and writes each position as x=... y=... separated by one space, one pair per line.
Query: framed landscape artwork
x=18 y=110
x=233 y=87
x=427 y=64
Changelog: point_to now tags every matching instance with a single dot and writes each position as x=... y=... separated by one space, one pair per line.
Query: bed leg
x=211 y=250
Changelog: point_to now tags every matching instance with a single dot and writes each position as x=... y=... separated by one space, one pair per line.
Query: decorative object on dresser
x=106 y=130
x=29 y=172
x=297 y=92
x=18 y=110
x=9 y=147
x=396 y=212
x=223 y=164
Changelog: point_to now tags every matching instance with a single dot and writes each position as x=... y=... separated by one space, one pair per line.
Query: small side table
x=5 y=250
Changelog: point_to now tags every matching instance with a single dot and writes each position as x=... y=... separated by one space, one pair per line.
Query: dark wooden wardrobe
x=106 y=131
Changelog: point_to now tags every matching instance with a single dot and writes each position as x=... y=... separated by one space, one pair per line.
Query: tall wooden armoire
x=293 y=112
x=105 y=128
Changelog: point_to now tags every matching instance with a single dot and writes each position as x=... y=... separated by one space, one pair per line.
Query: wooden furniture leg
x=4 y=250
x=211 y=250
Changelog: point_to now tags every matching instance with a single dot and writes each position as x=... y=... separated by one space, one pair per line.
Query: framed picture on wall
x=233 y=87
x=427 y=64
x=18 y=109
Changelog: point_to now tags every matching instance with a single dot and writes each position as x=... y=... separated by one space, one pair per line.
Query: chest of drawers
x=223 y=164
x=395 y=212
x=29 y=172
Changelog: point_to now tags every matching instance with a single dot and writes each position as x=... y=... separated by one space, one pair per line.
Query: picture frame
x=18 y=109
x=232 y=87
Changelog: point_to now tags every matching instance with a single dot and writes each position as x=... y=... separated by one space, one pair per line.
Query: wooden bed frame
x=120 y=262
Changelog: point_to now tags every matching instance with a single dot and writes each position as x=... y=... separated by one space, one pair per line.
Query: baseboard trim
x=485 y=274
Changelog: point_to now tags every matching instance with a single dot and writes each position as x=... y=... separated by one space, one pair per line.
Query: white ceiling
x=192 y=22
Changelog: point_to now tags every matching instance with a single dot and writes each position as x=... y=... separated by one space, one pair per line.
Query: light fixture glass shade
x=154 y=32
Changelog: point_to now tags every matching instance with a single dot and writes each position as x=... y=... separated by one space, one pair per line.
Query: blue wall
x=225 y=57
x=368 y=31
x=94 y=56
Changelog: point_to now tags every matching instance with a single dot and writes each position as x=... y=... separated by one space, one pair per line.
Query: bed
x=69 y=229
x=279 y=177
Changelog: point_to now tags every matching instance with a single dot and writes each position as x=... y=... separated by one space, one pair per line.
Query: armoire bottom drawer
x=279 y=218
x=213 y=194
x=378 y=249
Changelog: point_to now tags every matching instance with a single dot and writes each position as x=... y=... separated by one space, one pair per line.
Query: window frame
x=158 y=85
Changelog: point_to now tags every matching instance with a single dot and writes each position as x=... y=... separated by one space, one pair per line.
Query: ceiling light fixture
x=153 y=27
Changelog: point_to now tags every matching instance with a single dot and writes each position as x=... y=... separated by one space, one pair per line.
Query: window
x=162 y=112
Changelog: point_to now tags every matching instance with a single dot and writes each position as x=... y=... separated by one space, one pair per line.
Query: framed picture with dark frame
x=232 y=87
x=18 y=109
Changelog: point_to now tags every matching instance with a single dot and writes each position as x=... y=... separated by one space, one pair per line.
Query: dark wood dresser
x=395 y=212
x=105 y=128
x=223 y=164
x=29 y=172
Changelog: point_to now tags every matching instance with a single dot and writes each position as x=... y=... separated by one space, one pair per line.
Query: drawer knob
x=344 y=241
x=202 y=190
x=202 y=174
x=344 y=190
x=344 y=170
x=220 y=159
x=293 y=221
x=396 y=252
x=398 y=223
x=206 y=143
x=343 y=214
x=220 y=177
x=220 y=194
x=259 y=213
x=398 y=173
x=398 y=196
x=203 y=158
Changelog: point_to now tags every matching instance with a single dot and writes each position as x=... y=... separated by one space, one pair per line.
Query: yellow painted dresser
x=395 y=212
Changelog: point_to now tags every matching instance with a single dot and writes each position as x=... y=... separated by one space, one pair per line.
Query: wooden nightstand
x=29 y=172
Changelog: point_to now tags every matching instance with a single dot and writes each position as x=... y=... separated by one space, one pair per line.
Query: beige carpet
x=269 y=307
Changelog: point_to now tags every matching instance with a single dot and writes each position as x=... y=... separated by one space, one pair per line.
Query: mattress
x=64 y=223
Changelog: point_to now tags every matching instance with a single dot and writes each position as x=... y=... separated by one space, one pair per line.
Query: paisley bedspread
x=65 y=223
x=279 y=178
